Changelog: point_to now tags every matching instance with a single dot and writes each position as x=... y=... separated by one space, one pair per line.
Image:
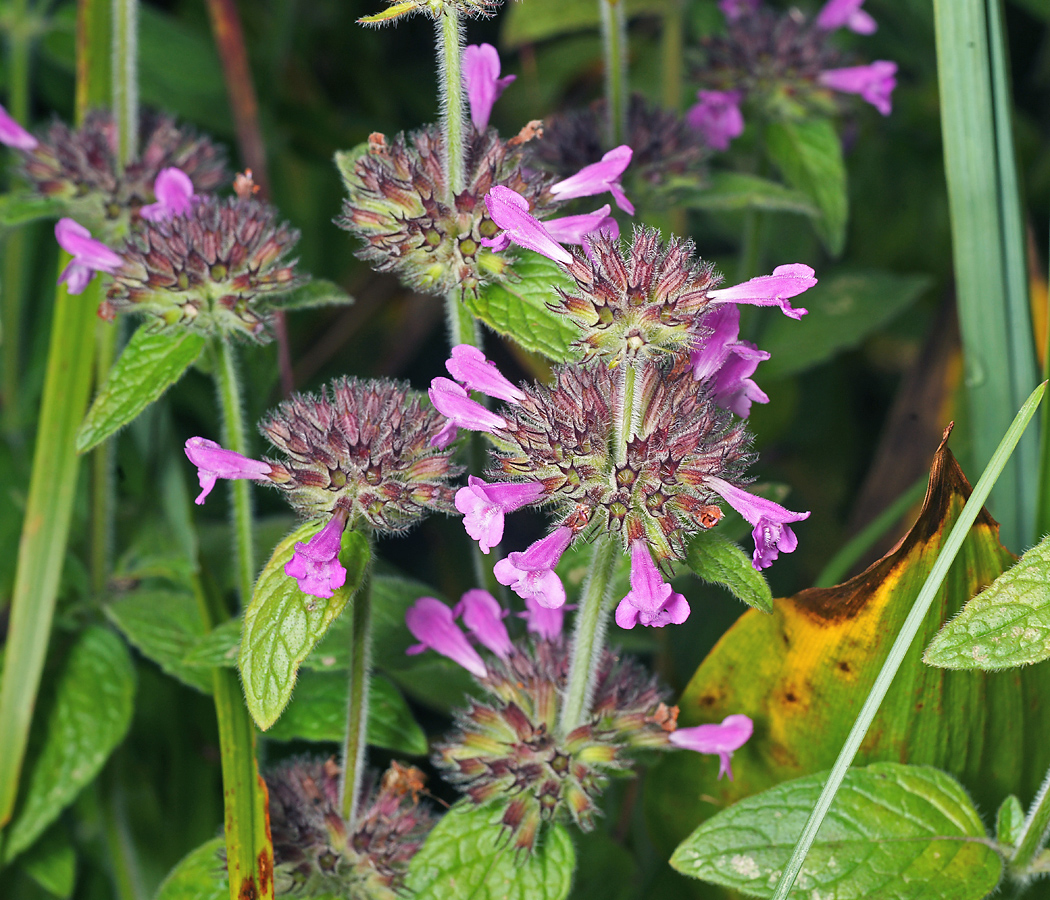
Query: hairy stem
x=124 y=74
x=614 y=44
x=1033 y=832
x=356 y=739
x=589 y=636
x=450 y=87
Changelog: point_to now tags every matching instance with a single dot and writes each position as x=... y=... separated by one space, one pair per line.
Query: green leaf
x=809 y=155
x=282 y=624
x=1006 y=625
x=163 y=625
x=517 y=307
x=715 y=559
x=731 y=191
x=17 y=209
x=467 y=857
x=537 y=20
x=52 y=863
x=317 y=712
x=893 y=831
x=91 y=714
x=315 y=293
x=843 y=311
x=150 y=364
x=218 y=648
x=200 y=875
x=1009 y=821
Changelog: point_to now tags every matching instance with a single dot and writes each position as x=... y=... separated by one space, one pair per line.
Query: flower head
x=770 y=521
x=315 y=563
x=173 y=189
x=530 y=573
x=482 y=81
x=722 y=739
x=599 y=177
x=846 y=13
x=14 y=135
x=433 y=624
x=717 y=117
x=650 y=600
x=89 y=256
x=214 y=462
x=874 y=82
x=484 y=506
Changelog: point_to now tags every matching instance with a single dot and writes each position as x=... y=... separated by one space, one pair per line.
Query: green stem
x=463 y=328
x=103 y=464
x=124 y=74
x=900 y=647
x=588 y=638
x=1033 y=831
x=614 y=45
x=356 y=739
x=672 y=53
x=45 y=529
x=235 y=438
x=450 y=88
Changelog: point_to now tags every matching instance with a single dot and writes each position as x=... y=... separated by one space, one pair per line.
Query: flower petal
x=483 y=616
x=213 y=461
x=469 y=366
x=431 y=622
x=722 y=739
x=510 y=211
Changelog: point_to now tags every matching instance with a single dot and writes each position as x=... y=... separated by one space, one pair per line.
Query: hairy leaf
x=729 y=191
x=893 y=832
x=199 y=875
x=1009 y=821
x=714 y=559
x=517 y=307
x=282 y=624
x=91 y=713
x=150 y=364
x=466 y=857
x=218 y=648
x=809 y=155
x=163 y=625
x=1006 y=625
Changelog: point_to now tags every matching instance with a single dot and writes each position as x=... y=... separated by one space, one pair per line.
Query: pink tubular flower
x=737 y=9
x=530 y=573
x=575 y=229
x=717 y=117
x=484 y=505
x=650 y=600
x=510 y=211
x=722 y=739
x=451 y=400
x=482 y=82
x=315 y=564
x=599 y=177
x=728 y=363
x=89 y=256
x=174 y=191
x=848 y=13
x=874 y=82
x=483 y=617
x=769 y=521
x=470 y=368
x=543 y=621
x=431 y=622
x=771 y=290
x=214 y=462
x=14 y=135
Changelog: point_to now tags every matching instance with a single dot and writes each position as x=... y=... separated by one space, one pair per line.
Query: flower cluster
x=316 y=852
x=508 y=747
x=784 y=64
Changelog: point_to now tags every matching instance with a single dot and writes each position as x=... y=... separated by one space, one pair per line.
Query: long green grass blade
x=904 y=640
x=987 y=237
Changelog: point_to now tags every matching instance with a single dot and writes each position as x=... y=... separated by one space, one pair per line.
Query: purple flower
x=470 y=368
x=451 y=400
x=174 y=191
x=769 y=521
x=771 y=290
x=722 y=739
x=848 y=13
x=542 y=620
x=717 y=117
x=575 y=229
x=315 y=563
x=530 y=573
x=482 y=82
x=737 y=9
x=599 y=177
x=728 y=363
x=214 y=462
x=510 y=211
x=483 y=617
x=89 y=256
x=14 y=135
x=650 y=600
x=874 y=82
x=431 y=622
x=484 y=505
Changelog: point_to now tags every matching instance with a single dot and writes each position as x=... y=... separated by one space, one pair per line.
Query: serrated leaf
x=18 y=208
x=315 y=293
x=517 y=307
x=719 y=561
x=537 y=20
x=467 y=857
x=1006 y=625
x=843 y=311
x=893 y=832
x=155 y=553
x=163 y=626
x=282 y=624
x=199 y=875
x=731 y=191
x=317 y=712
x=809 y=154
x=150 y=364
x=51 y=862
x=218 y=648
x=1009 y=821
x=91 y=714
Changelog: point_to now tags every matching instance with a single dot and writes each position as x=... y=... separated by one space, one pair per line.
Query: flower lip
x=214 y=461
x=651 y=601
x=771 y=290
x=469 y=366
x=510 y=211
x=89 y=256
x=770 y=521
x=483 y=617
x=874 y=82
x=315 y=563
x=174 y=191
x=481 y=78
x=599 y=177
x=530 y=573
x=451 y=400
x=484 y=505
x=432 y=623
x=733 y=732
